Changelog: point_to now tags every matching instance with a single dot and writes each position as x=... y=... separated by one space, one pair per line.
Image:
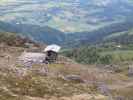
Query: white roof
x=52 y=47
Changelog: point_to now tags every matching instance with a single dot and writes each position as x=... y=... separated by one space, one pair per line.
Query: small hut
x=49 y=55
x=52 y=52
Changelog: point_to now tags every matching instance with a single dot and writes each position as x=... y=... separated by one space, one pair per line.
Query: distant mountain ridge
x=50 y=36
x=102 y=34
x=42 y=34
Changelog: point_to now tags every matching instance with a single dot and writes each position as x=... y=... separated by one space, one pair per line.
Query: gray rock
x=74 y=78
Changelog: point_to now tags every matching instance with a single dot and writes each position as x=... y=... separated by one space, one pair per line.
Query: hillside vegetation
x=105 y=54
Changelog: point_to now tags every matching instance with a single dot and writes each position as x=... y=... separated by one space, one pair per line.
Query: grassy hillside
x=65 y=79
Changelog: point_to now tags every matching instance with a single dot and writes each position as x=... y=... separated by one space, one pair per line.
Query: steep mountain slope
x=101 y=35
x=48 y=35
x=124 y=37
